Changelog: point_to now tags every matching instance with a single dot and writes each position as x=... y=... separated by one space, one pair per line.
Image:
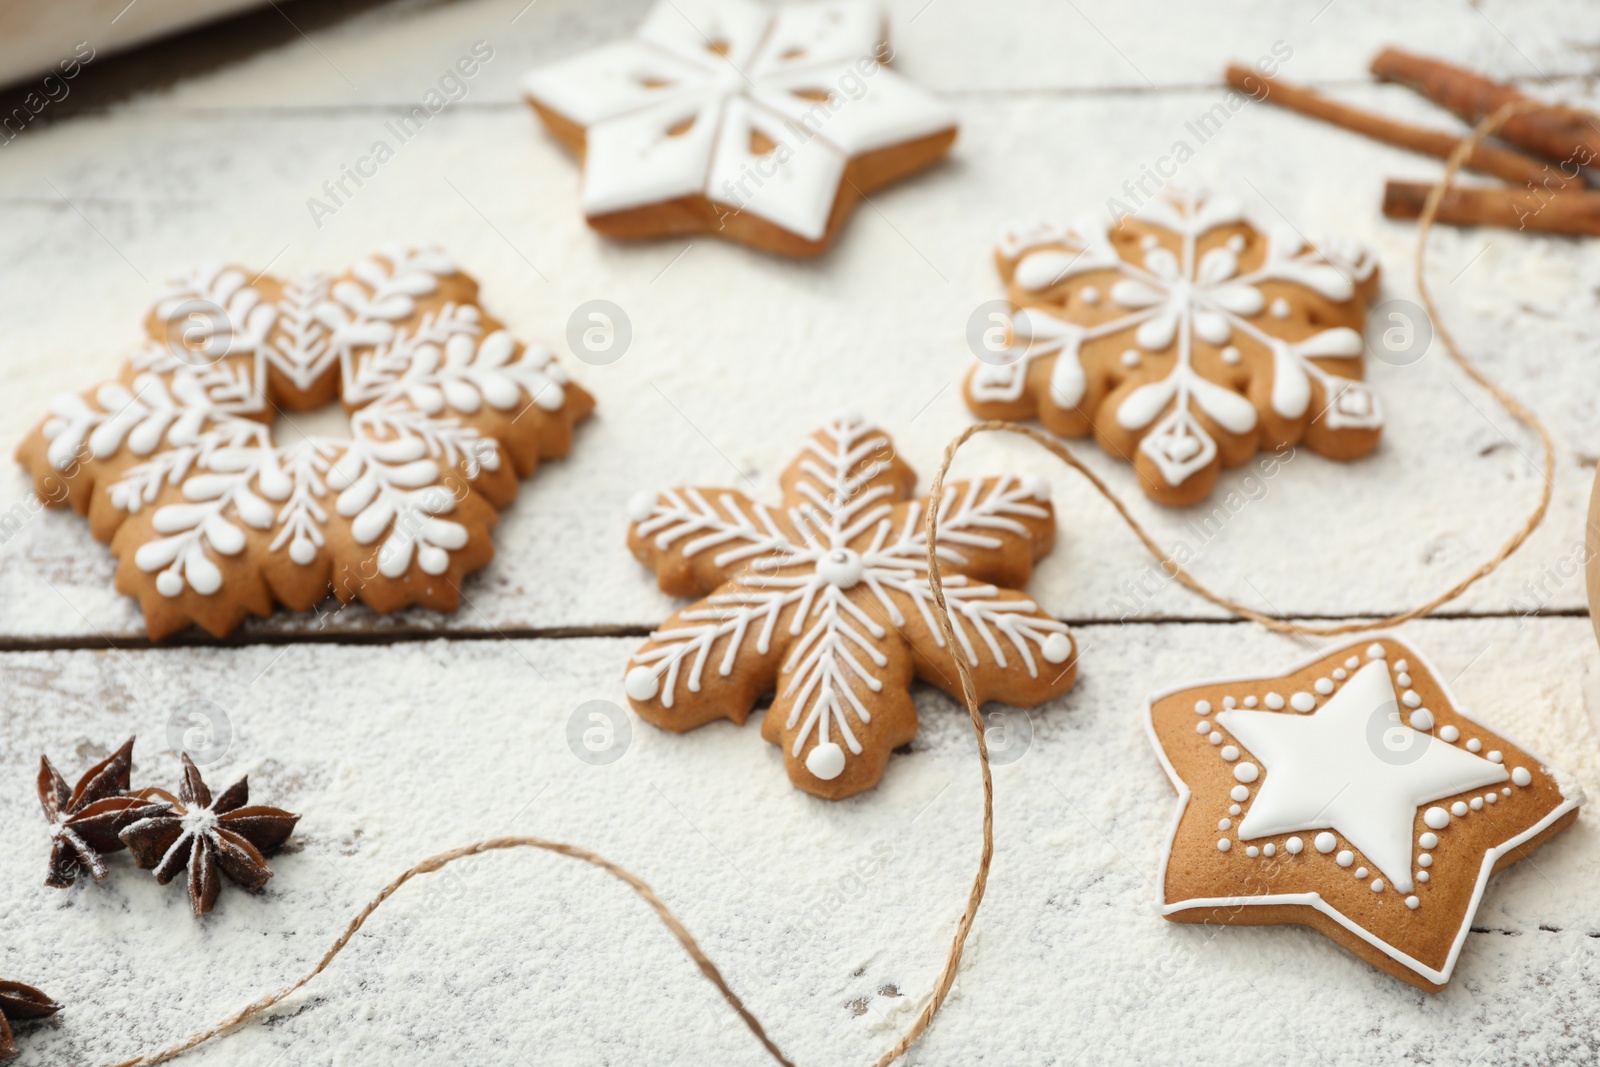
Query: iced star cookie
x=1183 y=339
x=1352 y=795
x=175 y=462
x=824 y=601
x=762 y=123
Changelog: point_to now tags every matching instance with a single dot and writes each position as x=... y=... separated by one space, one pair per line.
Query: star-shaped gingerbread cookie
x=763 y=123
x=1352 y=795
x=825 y=602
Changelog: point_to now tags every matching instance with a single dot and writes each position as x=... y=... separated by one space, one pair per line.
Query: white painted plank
x=395 y=752
x=953 y=46
x=736 y=355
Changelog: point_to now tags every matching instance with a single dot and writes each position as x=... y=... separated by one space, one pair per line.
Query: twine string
x=968 y=692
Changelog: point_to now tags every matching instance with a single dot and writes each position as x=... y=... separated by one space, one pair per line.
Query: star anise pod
x=20 y=1002
x=206 y=836
x=85 y=821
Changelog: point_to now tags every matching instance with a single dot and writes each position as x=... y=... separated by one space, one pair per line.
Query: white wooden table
x=401 y=736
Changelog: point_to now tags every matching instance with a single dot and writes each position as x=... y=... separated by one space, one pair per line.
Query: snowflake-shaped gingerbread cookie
x=175 y=464
x=1184 y=339
x=765 y=124
x=825 y=602
x=1351 y=794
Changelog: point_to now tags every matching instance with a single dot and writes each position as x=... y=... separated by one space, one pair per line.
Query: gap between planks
x=414 y=635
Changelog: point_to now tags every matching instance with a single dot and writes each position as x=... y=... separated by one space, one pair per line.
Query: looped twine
x=968 y=692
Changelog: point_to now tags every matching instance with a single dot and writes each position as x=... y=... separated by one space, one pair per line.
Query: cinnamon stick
x=1486 y=159
x=1566 y=134
x=1573 y=212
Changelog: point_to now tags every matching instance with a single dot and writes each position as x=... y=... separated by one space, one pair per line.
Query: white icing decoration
x=1252 y=896
x=1240 y=793
x=1491 y=798
x=837 y=572
x=1436 y=817
x=1229 y=702
x=1252 y=851
x=1413 y=903
x=1340 y=674
x=1377 y=885
x=1294 y=846
x=1225 y=824
x=1230 y=753
x=1215 y=738
x=841 y=567
x=1130 y=357
x=826 y=761
x=666 y=116
x=1495 y=756
x=1345 y=858
x=1234 y=809
x=641 y=683
x=1202 y=727
x=1375 y=651
x=1402 y=666
x=1202 y=707
x=1425 y=860
x=1326 y=842
x=1449 y=733
x=1352 y=663
x=1362 y=872
x=1520 y=776
x=1183 y=297
x=1274 y=701
x=1250 y=702
x=1246 y=772
x=1056 y=648
x=1428 y=840
x=1411 y=699
x=1303 y=702
x=1323 y=771
x=640 y=505
x=1224 y=845
x=1422 y=719
x=1474 y=745
x=1403 y=680
x=196 y=422
x=1476 y=803
x=1269 y=849
x=1458 y=809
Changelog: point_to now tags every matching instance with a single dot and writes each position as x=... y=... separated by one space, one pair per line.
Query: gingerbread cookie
x=175 y=464
x=1352 y=795
x=825 y=602
x=1184 y=339
x=764 y=124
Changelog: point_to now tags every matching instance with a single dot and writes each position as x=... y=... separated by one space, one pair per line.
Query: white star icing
x=1333 y=770
x=678 y=110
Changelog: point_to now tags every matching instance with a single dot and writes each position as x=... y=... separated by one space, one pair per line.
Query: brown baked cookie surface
x=824 y=601
x=175 y=463
x=765 y=124
x=1353 y=795
x=1184 y=339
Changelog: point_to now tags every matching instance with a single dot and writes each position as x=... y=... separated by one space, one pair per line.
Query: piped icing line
x=1440 y=976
